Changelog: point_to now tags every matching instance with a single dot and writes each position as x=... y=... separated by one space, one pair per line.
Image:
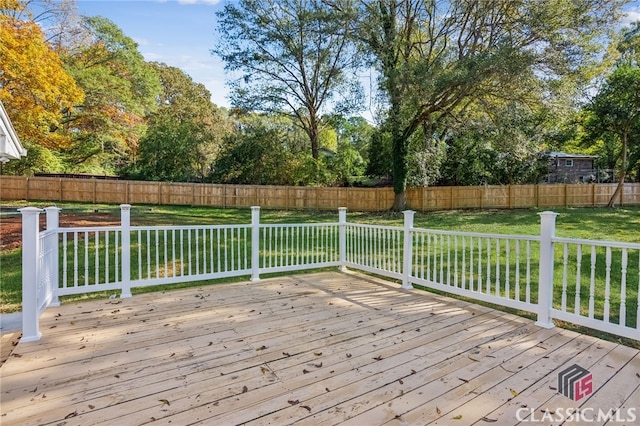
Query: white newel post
x=407 y=254
x=255 y=243
x=125 y=224
x=30 y=267
x=342 y=237
x=545 y=280
x=53 y=223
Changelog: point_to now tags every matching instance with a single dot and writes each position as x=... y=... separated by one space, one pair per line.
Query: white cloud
x=631 y=15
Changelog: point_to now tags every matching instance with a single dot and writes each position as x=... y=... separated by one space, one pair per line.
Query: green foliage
x=259 y=154
x=38 y=160
x=435 y=58
x=121 y=90
x=183 y=135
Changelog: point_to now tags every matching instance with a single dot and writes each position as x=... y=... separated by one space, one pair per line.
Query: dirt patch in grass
x=11 y=226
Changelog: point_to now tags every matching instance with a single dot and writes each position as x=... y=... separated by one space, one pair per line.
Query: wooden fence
x=313 y=198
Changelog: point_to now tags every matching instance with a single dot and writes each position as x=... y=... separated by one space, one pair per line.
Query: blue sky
x=181 y=33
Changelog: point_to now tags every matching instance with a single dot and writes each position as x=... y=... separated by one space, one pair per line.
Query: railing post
x=125 y=225
x=30 y=269
x=407 y=254
x=255 y=243
x=545 y=280
x=53 y=223
x=342 y=237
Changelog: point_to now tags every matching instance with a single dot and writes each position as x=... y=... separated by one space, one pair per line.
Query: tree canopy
x=293 y=57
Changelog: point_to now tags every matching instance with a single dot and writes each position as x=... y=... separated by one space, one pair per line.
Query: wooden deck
x=322 y=348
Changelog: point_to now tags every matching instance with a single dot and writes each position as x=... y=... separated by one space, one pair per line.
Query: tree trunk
x=399 y=202
x=623 y=172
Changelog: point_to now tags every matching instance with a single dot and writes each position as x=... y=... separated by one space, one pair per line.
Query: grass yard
x=620 y=224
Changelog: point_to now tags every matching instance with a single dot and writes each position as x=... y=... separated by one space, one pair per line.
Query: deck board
x=321 y=348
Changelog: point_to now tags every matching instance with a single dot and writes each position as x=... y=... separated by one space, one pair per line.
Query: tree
x=616 y=110
x=261 y=152
x=436 y=57
x=294 y=57
x=121 y=90
x=184 y=134
x=34 y=86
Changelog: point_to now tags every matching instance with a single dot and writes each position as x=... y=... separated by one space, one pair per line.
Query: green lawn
x=620 y=224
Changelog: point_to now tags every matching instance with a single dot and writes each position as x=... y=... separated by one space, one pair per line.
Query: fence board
x=13 y=188
x=314 y=198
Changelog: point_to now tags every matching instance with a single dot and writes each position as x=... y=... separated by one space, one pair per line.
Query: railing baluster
x=497 y=281
x=148 y=248
x=565 y=261
x=166 y=263
x=517 y=281
x=527 y=295
x=577 y=303
x=75 y=259
x=157 y=242
x=97 y=257
x=592 y=284
x=623 y=288
x=86 y=258
x=607 y=285
x=488 y=280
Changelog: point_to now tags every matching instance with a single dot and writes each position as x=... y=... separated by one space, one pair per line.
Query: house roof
x=557 y=154
x=10 y=146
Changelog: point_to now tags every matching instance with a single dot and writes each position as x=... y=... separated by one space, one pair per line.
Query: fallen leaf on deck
x=438 y=411
x=348 y=355
x=317 y=353
x=245 y=389
x=513 y=392
x=305 y=371
x=306 y=407
x=294 y=402
x=488 y=420
x=68 y=416
x=318 y=365
x=464 y=380
x=261 y=348
x=264 y=370
x=327 y=389
x=286 y=354
x=164 y=402
x=378 y=358
x=458 y=417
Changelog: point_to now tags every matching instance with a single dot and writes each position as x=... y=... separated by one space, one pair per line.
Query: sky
x=181 y=33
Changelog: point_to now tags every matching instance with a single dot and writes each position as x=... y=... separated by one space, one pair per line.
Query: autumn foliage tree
x=35 y=89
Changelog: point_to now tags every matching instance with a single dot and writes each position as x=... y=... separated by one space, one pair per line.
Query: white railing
x=590 y=283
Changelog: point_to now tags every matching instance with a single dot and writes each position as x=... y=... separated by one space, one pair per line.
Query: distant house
x=570 y=168
x=10 y=146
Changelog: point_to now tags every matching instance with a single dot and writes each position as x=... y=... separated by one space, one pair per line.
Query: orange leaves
x=34 y=86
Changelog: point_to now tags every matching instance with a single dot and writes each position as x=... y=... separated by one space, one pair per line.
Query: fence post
x=53 y=222
x=407 y=255
x=255 y=243
x=125 y=254
x=545 y=280
x=30 y=269
x=342 y=237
